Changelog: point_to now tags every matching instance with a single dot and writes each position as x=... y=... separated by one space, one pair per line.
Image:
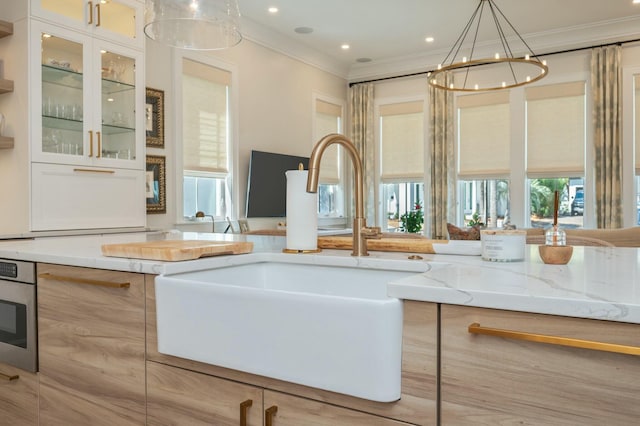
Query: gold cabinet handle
x=9 y=378
x=90 y=143
x=99 y=145
x=87 y=281
x=269 y=413
x=110 y=172
x=244 y=407
x=90 y=7
x=98 y=13
x=475 y=328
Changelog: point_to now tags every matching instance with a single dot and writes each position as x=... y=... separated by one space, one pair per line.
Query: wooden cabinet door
x=489 y=380
x=287 y=410
x=91 y=328
x=18 y=397
x=181 y=397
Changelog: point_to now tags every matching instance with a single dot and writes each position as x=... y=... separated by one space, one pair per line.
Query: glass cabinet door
x=62 y=95
x=118 y=106
x=112 y=19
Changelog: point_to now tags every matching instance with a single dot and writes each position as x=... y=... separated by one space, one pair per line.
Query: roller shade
x=327 y=120
x=205 y=117
x=402 y=141
x=556 y=130
x=484 y=135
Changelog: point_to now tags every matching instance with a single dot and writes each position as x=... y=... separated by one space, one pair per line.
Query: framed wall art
x=154 y=118
x=155 y=185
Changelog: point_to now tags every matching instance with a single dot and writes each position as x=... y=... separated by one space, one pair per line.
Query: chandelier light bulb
x=497 y=56
x=527 y=57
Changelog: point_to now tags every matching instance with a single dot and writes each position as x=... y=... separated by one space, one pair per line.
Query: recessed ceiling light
x=345 y=47
x=429 y=39
x=303 y=30
x=636 y=1
x=273 y=9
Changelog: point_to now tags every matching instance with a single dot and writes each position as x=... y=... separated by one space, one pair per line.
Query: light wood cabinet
x=181 y=397
x=6 y=86
x=176 y=396
x=489 y=380
x=18 y=397
x=418 y=402
x=91 y=346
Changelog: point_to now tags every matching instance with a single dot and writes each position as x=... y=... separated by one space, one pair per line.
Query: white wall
x=274 y=112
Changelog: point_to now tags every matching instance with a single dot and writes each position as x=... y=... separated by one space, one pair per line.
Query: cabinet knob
x=269 y=414
x=244 y=407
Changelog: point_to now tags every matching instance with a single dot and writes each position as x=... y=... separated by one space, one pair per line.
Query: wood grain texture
x=92 y=348
x=6 y=29
x=181 y=397
x=417 y=404
x=18 y=398
x=294 y=411
x=176 y=250
x=488 y=380
x=408 y=245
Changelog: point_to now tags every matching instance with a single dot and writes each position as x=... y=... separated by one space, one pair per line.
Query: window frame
x=233 y=110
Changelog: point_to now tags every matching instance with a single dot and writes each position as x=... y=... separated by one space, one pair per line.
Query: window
x=484 y=146
x=555 y=132
x=205 y=138
x=328 y=119
x=401 y=160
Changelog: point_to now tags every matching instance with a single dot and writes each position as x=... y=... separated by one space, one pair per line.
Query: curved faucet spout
x=360 y=231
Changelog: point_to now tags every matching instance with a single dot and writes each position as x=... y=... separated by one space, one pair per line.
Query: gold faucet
x=360 y=230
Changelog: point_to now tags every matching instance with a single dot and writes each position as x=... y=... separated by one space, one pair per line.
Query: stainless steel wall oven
x=18 y=325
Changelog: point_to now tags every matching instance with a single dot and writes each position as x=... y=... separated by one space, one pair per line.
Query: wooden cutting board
x=175 y=250
x=410 y=245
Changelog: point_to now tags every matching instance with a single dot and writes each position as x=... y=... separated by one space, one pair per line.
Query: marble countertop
x=599 y=282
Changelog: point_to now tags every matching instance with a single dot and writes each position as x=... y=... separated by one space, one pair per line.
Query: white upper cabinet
x=87 y=100
x=116 y=20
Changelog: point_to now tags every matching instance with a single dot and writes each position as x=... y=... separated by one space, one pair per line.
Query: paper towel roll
x=302 y=212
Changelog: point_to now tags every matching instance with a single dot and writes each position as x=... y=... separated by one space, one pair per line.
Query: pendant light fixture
x=193 y=24
x=502 y=70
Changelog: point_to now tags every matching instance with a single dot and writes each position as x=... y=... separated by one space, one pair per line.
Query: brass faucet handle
x=371 y=232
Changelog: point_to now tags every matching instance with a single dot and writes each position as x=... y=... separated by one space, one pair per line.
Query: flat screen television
x=267 y=183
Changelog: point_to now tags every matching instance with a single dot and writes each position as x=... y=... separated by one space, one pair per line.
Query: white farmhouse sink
x=328 y=327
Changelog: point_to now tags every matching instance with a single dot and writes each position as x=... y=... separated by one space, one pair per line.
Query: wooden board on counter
x=175 y=250
x=409 y=245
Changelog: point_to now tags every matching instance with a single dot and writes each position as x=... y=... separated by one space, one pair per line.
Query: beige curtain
x=606 y=86
x=362 y=125
x=442 y=168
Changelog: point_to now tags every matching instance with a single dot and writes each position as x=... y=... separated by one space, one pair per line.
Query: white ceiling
x=392 y=32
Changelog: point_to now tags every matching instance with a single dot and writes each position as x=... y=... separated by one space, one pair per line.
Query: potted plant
x=412 y=220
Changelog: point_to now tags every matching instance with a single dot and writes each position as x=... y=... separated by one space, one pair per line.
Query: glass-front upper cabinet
x=116 y=20
x=90 y=104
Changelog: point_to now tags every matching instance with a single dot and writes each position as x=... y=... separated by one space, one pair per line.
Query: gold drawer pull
x=74 y=280
x=90 y=7
x=244 y=407
x=269 y=413
x=99 y=154
x=475 y=328
x=90 y=143
x=9 y=378
x=110 y=172
x=98 y=13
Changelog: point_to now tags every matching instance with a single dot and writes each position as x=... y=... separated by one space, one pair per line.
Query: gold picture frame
x=155 y=184
x=154 y=118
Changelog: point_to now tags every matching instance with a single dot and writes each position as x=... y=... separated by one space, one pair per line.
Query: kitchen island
x=451 y=373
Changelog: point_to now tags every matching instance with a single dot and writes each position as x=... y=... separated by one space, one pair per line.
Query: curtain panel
x=606 y=87
x=362 y=125
x=442 y=170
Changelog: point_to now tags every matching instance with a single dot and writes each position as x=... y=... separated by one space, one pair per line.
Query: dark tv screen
x=267 y=183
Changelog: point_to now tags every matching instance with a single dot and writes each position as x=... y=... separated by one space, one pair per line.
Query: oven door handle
x=75 y=280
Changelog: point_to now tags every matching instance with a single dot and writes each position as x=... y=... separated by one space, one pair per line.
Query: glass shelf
x=61 y=123
x=111 y=129
x=112 y=86
x=61 y=76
